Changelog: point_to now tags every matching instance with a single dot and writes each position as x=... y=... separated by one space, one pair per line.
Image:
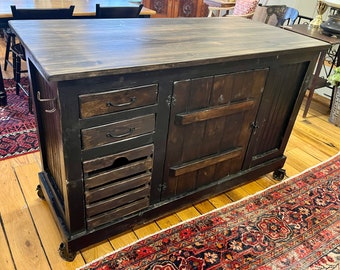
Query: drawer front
x=115 y=132
x=117 y=185
x=117 y=100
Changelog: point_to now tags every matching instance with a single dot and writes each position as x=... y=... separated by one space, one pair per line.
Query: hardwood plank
x=146 y=230
x=220 y=200
x=204 y=207
x=301 y=160
x=266 y=182
x=168 y=221
x=237 y=194
x=22 y=235
x=6 y=260
x=188 y=213
x=123 y=239
x=252 y=187
x=93 y=252
x=43 y=219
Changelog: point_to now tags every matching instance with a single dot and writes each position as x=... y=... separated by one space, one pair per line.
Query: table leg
x=314 y=81
x=337 y=64
x=3 y=95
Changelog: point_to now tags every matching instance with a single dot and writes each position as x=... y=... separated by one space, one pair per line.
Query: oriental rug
x=17 y=126
x=294 y=224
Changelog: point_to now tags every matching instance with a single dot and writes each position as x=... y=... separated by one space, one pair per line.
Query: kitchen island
x=137 y=118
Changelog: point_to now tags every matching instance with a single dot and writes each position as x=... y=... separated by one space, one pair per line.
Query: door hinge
x=254 y=125
x=171 y=100
x=161 y=187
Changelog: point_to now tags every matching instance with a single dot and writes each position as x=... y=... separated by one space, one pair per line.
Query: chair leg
x=14 y=67
x=8 y=46
x=10 y=40
x=313 y=82
x=17 y=71
x=3 y=96
x=308 y=102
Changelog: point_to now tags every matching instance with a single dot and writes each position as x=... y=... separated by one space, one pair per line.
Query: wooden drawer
x=122 y=130
x=117 y=100
x=117 y=185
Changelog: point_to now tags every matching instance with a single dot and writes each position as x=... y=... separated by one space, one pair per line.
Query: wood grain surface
x=64 y=49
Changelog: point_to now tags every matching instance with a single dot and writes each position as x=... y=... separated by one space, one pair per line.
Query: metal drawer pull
x=110 y=135
x=47 y=100
x=132 y=100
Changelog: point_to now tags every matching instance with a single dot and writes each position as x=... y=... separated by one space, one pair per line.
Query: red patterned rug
x=292 y=225
x=17 y=126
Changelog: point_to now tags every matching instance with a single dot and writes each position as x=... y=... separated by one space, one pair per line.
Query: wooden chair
x=272 y=15
x=18 y=50
x=277 y=15
x=242 y=8
x=118 y=12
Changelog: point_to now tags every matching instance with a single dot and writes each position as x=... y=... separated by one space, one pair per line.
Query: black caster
x=279 y=174
x=40 y=193
x=65 y=254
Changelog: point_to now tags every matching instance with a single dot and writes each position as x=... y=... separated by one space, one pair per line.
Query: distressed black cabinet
x=149 y=116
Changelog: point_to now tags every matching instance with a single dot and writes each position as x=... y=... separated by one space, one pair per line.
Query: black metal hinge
x=171 y=100
x=161 y=187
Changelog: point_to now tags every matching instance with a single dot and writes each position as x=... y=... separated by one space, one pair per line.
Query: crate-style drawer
x=117 y=185
x=117 y=100
x=117 y=131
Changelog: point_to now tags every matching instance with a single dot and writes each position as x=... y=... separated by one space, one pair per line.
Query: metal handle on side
x=47 y=100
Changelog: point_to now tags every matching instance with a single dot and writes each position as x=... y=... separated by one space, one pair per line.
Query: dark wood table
x=317 y=81
x=82 y=8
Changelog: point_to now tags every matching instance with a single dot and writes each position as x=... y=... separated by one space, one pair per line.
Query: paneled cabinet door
x=210 y=126
x=277 y=115
x=177 y=8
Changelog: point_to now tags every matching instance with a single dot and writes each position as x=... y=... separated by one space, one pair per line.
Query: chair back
x=290 y=16
x=245 y=8
x=42 y=14
x=272 y=15
x=118 y=12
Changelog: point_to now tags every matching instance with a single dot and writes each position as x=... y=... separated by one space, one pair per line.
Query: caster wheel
x=65 y=254
x=40 y=193
x=279 y=174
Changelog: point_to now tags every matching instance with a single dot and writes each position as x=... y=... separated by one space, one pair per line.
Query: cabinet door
x=164 y=8
x=210 y=126
x=277 y=113
x=177 y=8
x=187 y=8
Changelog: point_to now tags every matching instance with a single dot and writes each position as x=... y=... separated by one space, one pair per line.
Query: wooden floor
x=29 y=238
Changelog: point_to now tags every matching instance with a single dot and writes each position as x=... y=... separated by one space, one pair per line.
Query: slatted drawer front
x=117 y=100
x=117 y=185
x=114 y=132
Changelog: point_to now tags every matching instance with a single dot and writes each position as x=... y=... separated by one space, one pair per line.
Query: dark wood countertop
x=78 y=48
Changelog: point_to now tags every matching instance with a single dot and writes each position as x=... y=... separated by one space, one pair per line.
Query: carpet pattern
x=294 y=224
x=17 y=126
